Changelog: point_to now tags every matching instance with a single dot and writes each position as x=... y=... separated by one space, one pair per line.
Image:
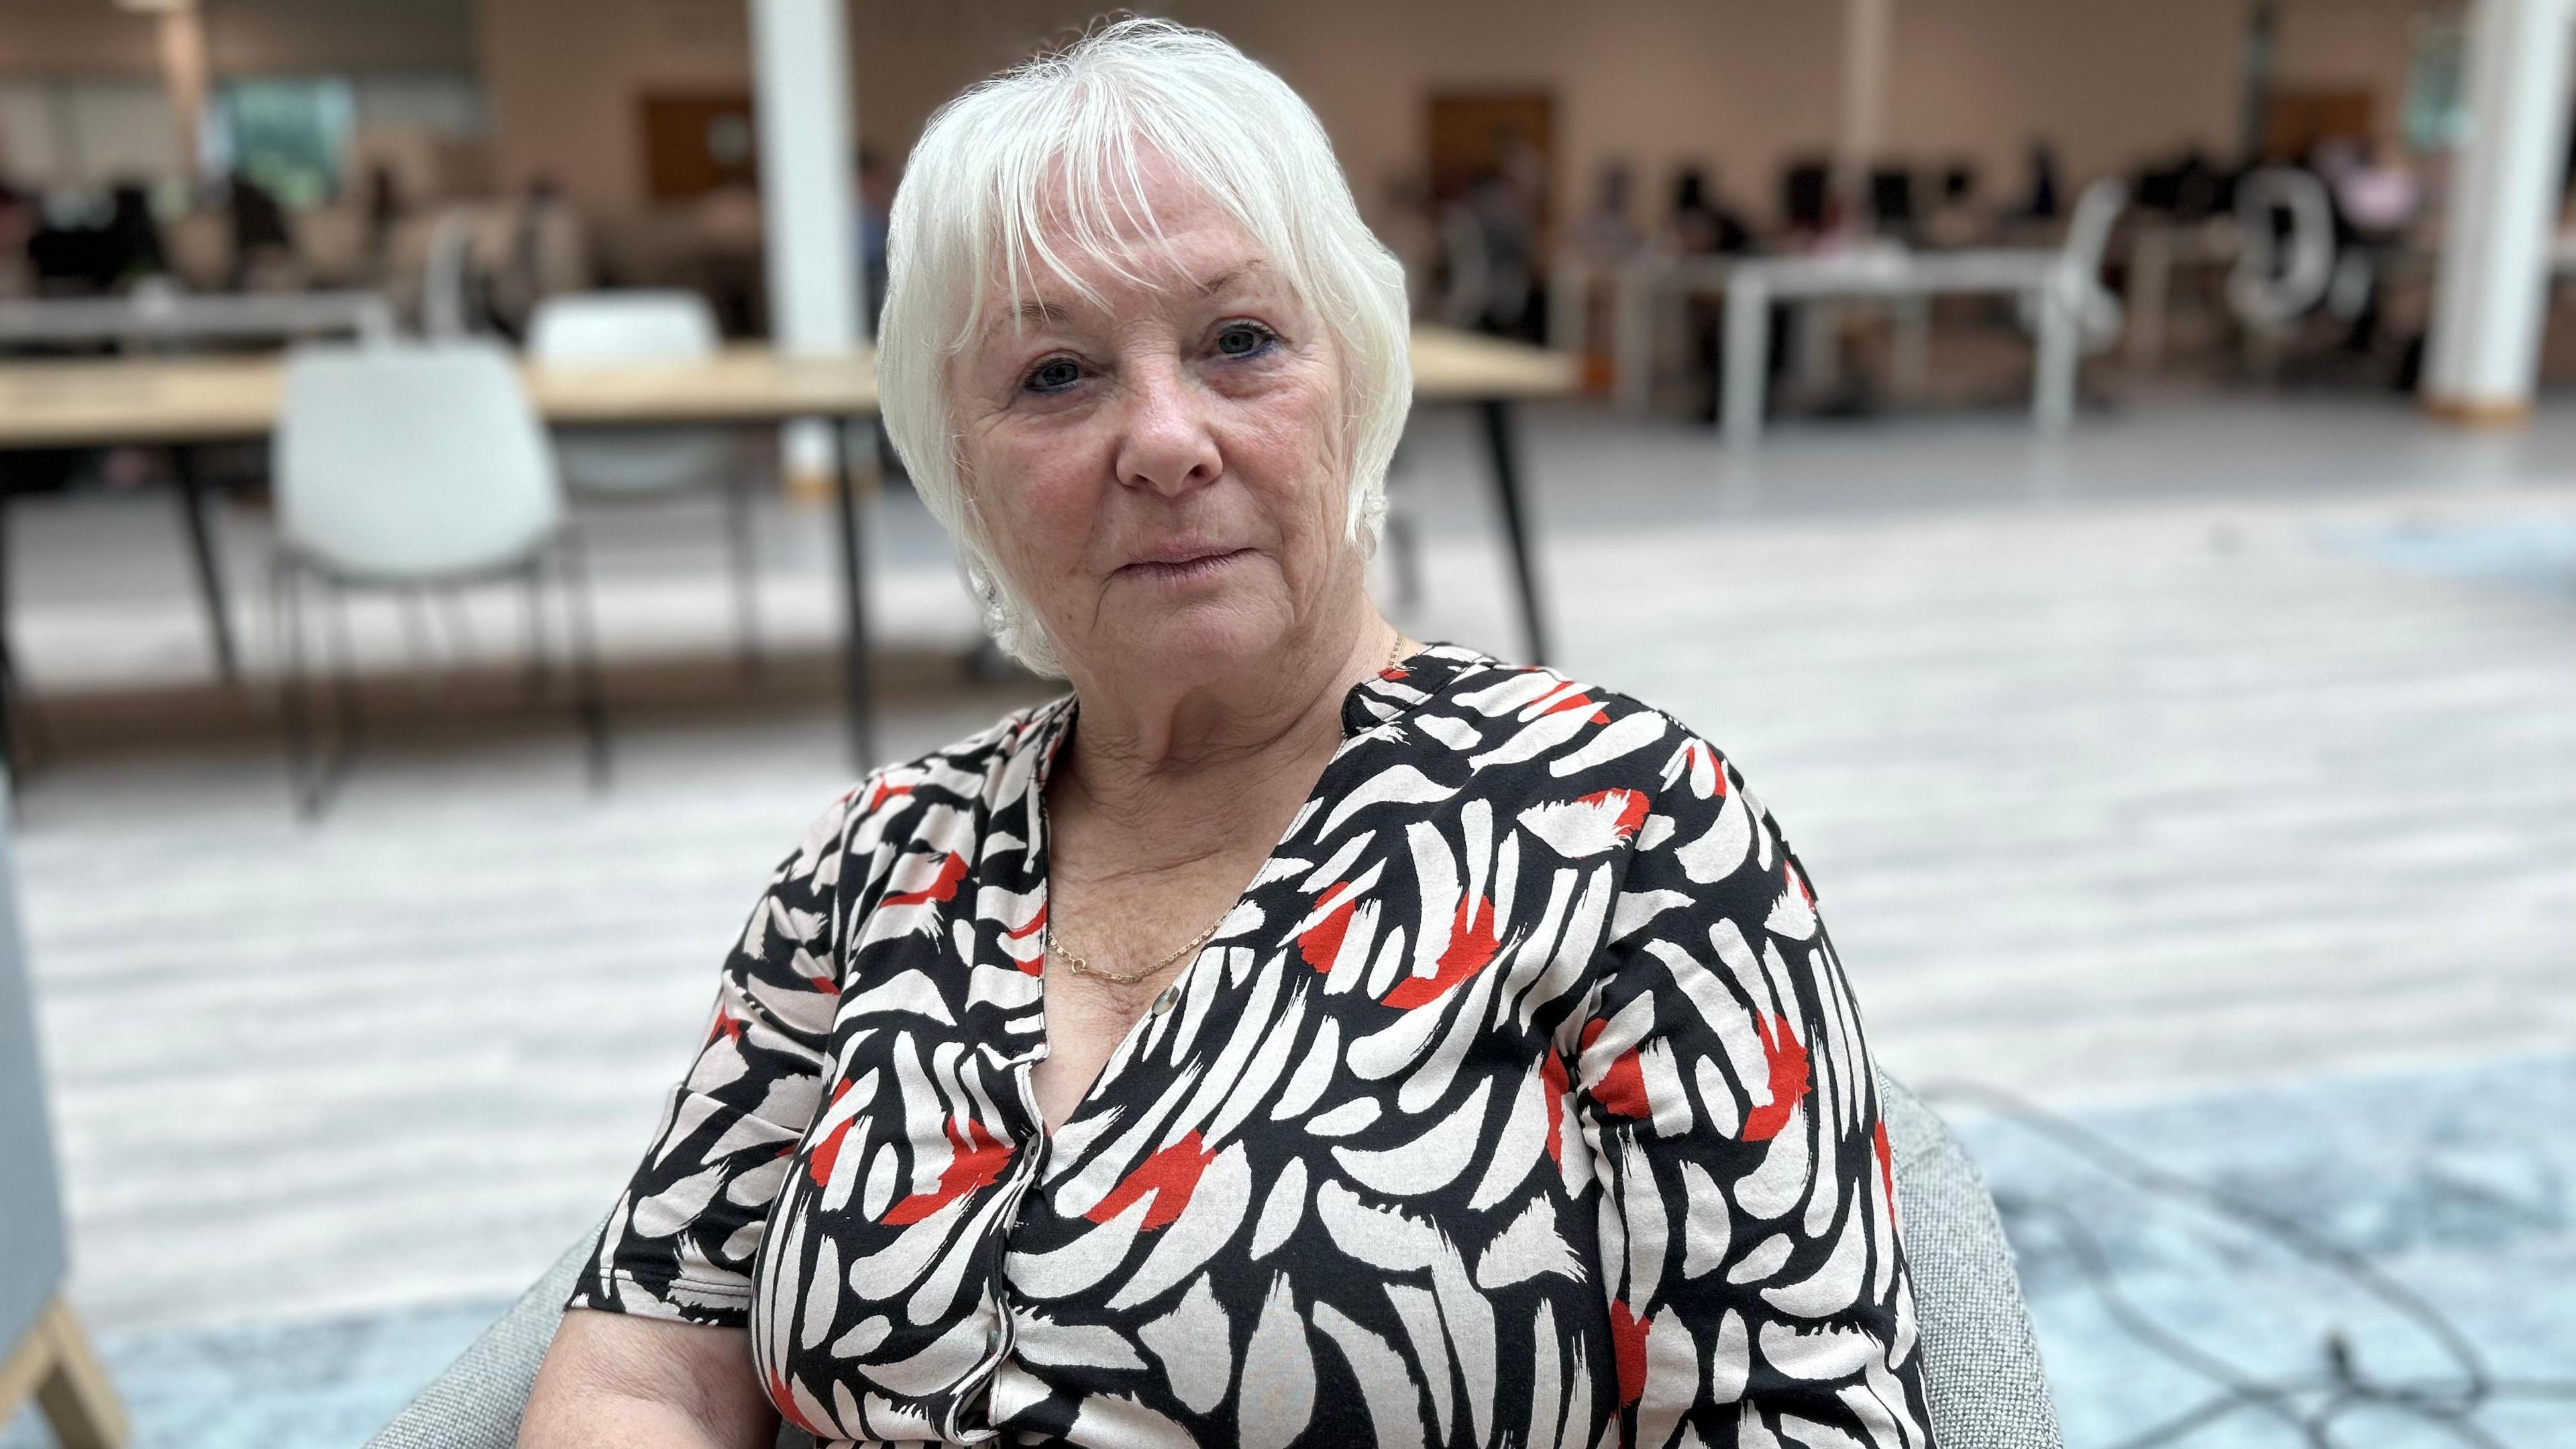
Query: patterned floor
x=2216 y=755
x=2435 y=1182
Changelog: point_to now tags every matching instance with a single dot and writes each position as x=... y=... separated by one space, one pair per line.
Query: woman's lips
x=1184 y=570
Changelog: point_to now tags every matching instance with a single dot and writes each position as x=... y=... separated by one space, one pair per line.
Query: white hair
x=1063 y=137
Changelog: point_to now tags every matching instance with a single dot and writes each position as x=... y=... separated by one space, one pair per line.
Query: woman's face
x=1160 y=473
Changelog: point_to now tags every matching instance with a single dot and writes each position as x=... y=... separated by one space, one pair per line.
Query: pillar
x=809 y=222
x=2491 y=294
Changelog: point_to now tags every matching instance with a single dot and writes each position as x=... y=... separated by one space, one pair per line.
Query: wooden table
x=1451 y=366
x=185 y=402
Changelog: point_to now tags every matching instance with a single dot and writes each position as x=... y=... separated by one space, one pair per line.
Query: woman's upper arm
x=614 y=1380
x=681 y=1240
x=1749 y=1248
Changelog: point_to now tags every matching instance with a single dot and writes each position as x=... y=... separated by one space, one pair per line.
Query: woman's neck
x=1156 y=759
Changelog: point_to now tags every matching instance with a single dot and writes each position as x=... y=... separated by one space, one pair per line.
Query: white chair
x=411 y=468
x=2098 y=314
x=2279 y=279
x=2088 y=237
x=627 y=463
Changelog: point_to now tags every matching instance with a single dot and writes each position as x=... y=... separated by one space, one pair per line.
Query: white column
x=183 y=74
x=1867 y=29
x=2490 y=297
x=800 y=59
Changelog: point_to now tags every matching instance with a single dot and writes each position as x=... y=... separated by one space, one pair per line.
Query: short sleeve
x=1748 y=1220
x=681 y=1241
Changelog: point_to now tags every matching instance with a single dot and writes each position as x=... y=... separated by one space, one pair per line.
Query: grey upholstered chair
x=1981 y=1364
x=42 y=1348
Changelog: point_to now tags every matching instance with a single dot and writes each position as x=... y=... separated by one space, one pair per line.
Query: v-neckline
x=1054 y=736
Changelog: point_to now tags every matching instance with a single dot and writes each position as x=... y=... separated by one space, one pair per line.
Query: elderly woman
x=1296 y=1034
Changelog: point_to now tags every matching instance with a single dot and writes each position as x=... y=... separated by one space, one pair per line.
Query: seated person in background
x=1296 y=1033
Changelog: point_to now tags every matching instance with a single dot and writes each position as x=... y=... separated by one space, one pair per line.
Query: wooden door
x=1475 y=134
x=697 y=142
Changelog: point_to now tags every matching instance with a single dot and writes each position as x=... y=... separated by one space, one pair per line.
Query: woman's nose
x=1167 y=445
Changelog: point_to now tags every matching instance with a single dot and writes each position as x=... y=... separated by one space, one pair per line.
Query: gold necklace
x=1073 y=960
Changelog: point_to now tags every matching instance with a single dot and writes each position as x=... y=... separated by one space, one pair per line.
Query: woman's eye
x=1243 y=339
x=1054 y=375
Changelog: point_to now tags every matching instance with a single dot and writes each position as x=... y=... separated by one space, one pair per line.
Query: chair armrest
x=1981 y=1368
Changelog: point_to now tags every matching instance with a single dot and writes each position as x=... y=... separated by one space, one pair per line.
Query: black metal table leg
x=1505 y=458
x=210 y=574
x=854 y=602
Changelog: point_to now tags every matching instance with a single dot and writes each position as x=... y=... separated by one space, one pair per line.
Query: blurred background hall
x=2106 y=471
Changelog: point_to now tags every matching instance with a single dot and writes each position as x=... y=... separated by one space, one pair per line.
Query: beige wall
x=1740 y=84
x=46 y=37
x=2110 y=84
x=2353 y=44
x=1737 y=83
x=561 y=78
x=97 y=37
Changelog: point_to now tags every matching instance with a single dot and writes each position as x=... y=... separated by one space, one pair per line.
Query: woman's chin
x=1204 y=639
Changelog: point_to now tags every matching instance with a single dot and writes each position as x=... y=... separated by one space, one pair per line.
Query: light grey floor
x=2216 y=746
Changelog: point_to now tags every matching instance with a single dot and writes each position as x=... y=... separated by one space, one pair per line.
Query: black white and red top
x=1520 y=1100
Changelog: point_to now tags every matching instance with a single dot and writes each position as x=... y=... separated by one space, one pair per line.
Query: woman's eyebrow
x=1229 y=277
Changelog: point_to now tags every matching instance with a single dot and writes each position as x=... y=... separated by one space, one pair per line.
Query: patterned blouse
x=1520 y=1100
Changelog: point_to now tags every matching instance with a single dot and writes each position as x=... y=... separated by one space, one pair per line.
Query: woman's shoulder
x=984 y=768
x=1582 y=765
x=1499 y=714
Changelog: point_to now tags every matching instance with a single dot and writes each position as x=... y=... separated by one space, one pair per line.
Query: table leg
x=2052 y=389
x=1815 y=345
x=201 y=550
x=1748 y=347
x=1503 y=453
x=1911 y=367
x=854 y=602
x=1632 y=339
x=2150 y=284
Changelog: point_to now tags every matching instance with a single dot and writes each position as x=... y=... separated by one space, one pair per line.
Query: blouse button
x=1165 y=999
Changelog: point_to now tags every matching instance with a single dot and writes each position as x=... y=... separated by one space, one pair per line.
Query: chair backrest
x=2088 y=236
x=411 y=463
x=640 y=325
x=33 y=1253
x=1980 y=1362
x=2277 y=279
x=623 y=326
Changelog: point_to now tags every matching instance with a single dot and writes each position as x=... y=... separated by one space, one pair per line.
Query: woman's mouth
x=1187 y=570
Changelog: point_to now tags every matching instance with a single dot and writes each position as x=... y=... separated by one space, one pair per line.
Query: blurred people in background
x=1702 y=224
x=1489 y=243
x=121 y=246
x=1952 y=219
x=2039 y=196
x=384 y=214
x=2377 y=192
x=1809 y=210
x=547 y=252
x=17 y=227
x=2377 y=201
x=1609 y=232
x=262 y=244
